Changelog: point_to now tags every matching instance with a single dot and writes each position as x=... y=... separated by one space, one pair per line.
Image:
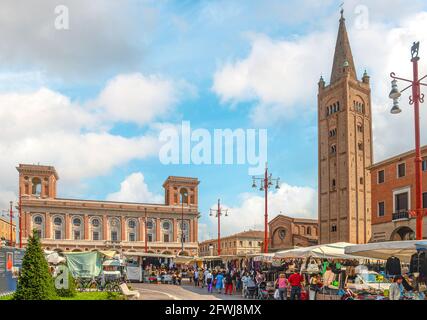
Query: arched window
x=151 y=230
x=78 y=228
x=184 y=195
x=58 y=227
x=132 y=230
x=167 y=231
x=114 y=224
x=184 y=230
x=37 y=186
x=38 y=225
x=96 y=229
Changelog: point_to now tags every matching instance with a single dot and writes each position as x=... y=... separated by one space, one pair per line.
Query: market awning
x=147 y=254
x=384 y=250
x=332 y=250
x=112 y=263
x=54 y=258
x=264 y=257
x=109 y=254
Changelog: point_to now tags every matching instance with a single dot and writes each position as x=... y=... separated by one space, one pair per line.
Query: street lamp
x=266 y=182
x=184 y=195
x=416 y=98
x=218 y=213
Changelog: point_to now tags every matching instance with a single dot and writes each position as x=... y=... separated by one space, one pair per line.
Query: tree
x=35 y=281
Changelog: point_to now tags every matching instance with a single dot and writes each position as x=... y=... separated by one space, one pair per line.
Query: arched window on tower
x=37 y=187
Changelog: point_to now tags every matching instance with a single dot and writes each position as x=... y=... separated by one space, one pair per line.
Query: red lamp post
x=145 y=231
x=416 y=98
x=266 y=183
x=20 y=218
x=11 y=223
x=218 y=214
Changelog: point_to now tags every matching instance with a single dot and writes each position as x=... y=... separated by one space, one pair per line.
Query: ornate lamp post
x=218 y=213
x=416 y=98
x=266 y=183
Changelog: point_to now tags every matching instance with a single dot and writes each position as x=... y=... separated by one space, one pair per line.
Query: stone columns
x=86 y=226
x=67 y=226
x=175 y=230
x=190 y=232
x=27 y=224
x=141 y=231
x=48 y=226
x=158 y=230
x=123 y=227
x=104 y=227
x=196 y=229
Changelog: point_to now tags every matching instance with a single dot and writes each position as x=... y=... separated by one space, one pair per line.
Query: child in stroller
x=250 y=289
x=263 y=293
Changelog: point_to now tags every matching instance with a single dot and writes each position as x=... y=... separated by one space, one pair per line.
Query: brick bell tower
x=344 y=150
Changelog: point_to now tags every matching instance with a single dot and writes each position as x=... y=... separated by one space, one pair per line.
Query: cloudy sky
x=92 y=99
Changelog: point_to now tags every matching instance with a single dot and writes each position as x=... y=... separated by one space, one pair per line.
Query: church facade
x=344 y=149
x=85 y=225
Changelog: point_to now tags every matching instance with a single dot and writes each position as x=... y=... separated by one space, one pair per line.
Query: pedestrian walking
x=295 y=281
x=196 y=278
x=219 y=282
x=201 y=278
x=282 y=284
x=209 y=281
x=228 y=284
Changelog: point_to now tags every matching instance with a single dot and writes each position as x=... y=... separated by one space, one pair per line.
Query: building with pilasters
x=85 y=225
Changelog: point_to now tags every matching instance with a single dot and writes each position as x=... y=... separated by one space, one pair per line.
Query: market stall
x=405 y=259
x=137 y=263
x=326 y=268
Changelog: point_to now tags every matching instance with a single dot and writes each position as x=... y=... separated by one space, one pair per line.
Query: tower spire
x=343 y=58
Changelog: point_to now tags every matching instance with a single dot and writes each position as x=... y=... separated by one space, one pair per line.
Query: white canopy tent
x=332 y=250
x=53 y=257
x=384 y=250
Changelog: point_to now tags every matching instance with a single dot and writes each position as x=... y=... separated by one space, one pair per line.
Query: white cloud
x=46 y=127
x=135 y=189
x=276 y=75
x=140 y=99
x=294 y=201
x=280 y=76
x=98 y=40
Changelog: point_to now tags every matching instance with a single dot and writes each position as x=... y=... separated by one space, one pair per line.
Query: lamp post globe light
x=415 y=99
x=266 y=182
x=218 y=213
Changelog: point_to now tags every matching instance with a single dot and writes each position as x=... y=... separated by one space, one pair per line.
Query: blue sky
x=92 y=98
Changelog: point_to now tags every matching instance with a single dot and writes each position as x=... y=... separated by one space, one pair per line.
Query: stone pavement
x=174 y=292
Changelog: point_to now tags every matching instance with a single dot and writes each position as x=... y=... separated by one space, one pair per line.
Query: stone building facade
x=344 y=150
x=393 y=197
x=247 y=242
x=85 y=225
x=287 y=233
x=5 y=231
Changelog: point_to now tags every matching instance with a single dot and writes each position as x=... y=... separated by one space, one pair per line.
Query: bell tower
x=37 y=181
x=344 y=149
